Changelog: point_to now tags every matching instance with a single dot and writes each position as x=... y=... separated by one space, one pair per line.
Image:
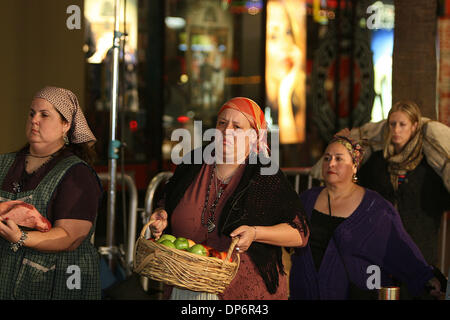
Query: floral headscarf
x=354 y=148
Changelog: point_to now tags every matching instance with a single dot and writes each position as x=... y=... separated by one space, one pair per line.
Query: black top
x=322 y=229
x=420 y=200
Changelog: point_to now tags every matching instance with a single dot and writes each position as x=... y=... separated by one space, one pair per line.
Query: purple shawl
x=372 y=235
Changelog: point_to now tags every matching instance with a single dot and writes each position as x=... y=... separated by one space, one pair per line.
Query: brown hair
x=85 y=151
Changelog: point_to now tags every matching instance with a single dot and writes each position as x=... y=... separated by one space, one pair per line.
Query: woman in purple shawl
x=357 y=240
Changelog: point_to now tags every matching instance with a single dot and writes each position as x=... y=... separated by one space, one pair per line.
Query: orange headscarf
x=251 y=110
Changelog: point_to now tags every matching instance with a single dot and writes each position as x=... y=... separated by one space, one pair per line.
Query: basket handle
x=144 y=228
x=233 y=244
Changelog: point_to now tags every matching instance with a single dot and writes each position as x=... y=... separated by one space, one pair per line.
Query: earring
x=66 y=139
x=354 y=178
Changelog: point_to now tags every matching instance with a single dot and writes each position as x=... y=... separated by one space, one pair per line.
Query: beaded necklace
x=210 y=221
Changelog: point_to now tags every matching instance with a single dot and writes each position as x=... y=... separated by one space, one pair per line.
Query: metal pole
x=445 y=217
x=132 y=218
x=114 y=144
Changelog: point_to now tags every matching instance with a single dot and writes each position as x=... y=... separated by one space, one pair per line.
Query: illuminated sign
x=285 y=68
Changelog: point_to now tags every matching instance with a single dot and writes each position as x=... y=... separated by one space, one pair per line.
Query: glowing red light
x=182 y=119
x=133 y=125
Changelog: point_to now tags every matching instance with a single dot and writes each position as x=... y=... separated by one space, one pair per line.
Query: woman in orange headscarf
x=212 y=203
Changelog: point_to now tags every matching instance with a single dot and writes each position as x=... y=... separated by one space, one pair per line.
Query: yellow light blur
x=184 y=78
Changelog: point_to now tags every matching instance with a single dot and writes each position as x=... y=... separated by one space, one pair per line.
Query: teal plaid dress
x=31 y=274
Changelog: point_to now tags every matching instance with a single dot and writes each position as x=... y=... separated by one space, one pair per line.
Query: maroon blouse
x=77 y=195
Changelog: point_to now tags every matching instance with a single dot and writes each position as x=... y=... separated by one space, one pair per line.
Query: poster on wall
x=286 y=68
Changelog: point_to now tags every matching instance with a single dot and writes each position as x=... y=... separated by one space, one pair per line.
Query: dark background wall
x=37 y=50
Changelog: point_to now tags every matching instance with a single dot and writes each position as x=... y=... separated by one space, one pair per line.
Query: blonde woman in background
x=401 y=173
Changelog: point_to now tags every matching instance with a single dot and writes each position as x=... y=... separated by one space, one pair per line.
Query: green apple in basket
x=198 y=249
x=165 y=236
x=168 y=243
x=181 y=243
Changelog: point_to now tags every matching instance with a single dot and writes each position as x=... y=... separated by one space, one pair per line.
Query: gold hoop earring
x=354 y=178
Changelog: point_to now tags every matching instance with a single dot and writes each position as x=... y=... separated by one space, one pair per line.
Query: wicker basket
x=183 y=269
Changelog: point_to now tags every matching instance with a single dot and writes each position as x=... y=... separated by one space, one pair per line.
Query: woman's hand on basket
x=246 y=234
x=159 y=224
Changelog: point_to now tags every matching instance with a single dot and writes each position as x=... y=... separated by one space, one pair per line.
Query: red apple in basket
x=223 y=256
x=207 y=248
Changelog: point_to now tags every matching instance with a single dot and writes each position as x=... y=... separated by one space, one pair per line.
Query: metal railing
x=297 y=173
x=132 y=220
x=157 y=180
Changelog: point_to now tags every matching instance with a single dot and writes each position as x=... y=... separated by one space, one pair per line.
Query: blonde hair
x=412 y=111
x=410 y=108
